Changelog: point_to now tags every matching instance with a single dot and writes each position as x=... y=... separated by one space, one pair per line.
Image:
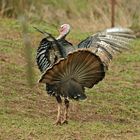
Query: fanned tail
x=69 y=76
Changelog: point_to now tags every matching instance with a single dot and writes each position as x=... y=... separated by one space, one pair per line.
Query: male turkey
x=67 y=70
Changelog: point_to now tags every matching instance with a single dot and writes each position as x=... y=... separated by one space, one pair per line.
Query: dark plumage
x=48 y=52
x=67 y=70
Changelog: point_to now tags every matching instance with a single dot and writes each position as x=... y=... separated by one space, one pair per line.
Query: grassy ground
x=112 y=110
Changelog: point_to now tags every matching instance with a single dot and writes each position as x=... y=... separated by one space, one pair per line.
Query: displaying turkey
x=67 y=70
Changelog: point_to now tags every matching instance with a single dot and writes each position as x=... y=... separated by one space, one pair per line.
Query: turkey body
x=67 y=70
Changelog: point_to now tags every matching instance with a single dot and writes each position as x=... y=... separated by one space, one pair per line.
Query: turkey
x=68 y=70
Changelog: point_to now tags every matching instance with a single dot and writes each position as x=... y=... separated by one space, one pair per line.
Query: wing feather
x=45 y=57
x=107 y=43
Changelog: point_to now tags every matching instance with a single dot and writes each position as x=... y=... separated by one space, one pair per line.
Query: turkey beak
x=61 y=30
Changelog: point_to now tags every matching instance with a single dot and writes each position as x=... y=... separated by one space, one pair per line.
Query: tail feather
x=80 y=69
x=73 y=90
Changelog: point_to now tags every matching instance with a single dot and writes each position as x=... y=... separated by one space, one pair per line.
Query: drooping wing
x=47 y=54
x=107 y=43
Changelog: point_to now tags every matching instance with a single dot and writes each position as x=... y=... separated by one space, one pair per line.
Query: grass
x=81 y=14
x=112 y=110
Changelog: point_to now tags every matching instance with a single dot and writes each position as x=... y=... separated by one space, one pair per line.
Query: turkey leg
x=65 y=119
x=58 y=120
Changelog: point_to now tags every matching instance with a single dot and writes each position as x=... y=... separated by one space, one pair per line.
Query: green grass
x=112 y=110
